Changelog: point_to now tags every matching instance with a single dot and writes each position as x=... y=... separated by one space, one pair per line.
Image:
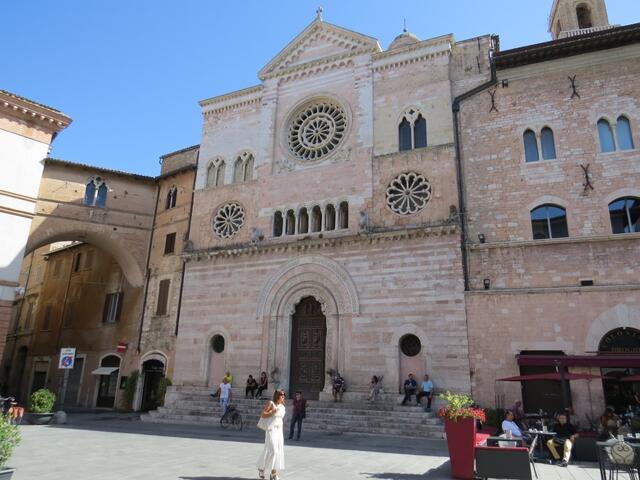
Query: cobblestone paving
x=111 y=446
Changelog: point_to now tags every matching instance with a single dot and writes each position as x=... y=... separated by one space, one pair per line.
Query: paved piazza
x=111 y=446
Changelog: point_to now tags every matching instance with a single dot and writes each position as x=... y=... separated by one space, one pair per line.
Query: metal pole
x=563 y=390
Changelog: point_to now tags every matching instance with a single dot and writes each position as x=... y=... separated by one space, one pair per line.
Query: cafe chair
x=616 y=457
x=532 y=449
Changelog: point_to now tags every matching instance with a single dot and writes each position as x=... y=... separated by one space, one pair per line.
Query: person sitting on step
x=410 y=388
x=263 y=384
x=252 y=385
x=374 y=388
x=427 y=391
x=338 y=387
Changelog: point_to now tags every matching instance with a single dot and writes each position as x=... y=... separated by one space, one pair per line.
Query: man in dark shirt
x=299 y=413
x=410 y=387
x=565 y=437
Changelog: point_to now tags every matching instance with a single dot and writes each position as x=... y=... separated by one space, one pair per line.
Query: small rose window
x=408 y=193
x=228 y=220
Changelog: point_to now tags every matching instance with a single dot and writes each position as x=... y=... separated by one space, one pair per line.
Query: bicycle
x=231 y=417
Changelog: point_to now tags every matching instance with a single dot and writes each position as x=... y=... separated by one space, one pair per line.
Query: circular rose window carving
x=408 y=193
x=228 y=220
x=316 y=130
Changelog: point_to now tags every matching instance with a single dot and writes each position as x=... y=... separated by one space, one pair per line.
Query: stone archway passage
x=308 y=341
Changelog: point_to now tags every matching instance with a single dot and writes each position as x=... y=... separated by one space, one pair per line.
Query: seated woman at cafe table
x=509 y=425
x=609 y=423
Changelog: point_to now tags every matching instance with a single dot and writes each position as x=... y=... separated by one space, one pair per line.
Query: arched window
x=343 y=215
x=548 y=144
x=329 y=217
x=243 y=168
x=215 y=173
x=420 y=132
x=238 y=171
x=248 y=168
x=623 y=133
x=404 y=135
x=530 y=146
x=303 y=221
x=277 y=224
x=584 y=16
x=172 y=197
x=89 y=193
x=101 y=197
x=625 y=215
x=549 y=221
x=606 y=136
x=290 y=228
x=412 y=131
x=316 y=219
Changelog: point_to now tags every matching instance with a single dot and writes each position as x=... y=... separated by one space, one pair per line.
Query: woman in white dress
x=272 y=458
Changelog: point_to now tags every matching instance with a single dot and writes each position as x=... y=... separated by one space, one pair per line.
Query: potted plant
x=130 y=386
x=460 y=425
x=9 y=438
x=41 y=407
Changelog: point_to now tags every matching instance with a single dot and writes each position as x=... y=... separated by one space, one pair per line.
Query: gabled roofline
x=367 y=40
x=182 y=150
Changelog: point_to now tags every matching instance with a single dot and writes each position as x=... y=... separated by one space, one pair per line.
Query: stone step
x=347 y=427
x=313 y=417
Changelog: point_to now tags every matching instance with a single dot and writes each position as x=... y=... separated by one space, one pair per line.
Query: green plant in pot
x=9 y=438
x=41 y=407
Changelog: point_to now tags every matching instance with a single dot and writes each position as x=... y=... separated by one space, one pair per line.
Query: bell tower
x=569 y=18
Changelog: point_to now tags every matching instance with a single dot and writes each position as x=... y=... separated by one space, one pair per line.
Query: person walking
x=272 y=457
x=225 y=394
x=299 y=413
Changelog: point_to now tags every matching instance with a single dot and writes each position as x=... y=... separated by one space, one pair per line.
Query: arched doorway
x=217 y=347
x=107 y=381
x=411 y=359
x=308 y=340
x=617 y=393
x=153 y=371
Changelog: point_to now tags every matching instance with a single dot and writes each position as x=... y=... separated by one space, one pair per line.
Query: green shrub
x=9 y=438
x=161 y=390
x=42 y=401
x=130 y=388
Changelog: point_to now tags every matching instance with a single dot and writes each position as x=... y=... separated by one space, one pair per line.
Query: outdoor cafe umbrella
x=561 y=376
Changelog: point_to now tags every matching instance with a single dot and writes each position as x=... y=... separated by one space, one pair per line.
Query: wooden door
x=308 y=339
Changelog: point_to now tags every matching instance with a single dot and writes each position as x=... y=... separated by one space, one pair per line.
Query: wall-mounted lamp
x=487 y=283
x=482 y=238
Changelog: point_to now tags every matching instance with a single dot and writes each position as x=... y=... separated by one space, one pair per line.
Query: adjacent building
x=27 y=129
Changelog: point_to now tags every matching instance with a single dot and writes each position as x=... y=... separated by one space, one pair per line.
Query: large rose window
x=316 y=130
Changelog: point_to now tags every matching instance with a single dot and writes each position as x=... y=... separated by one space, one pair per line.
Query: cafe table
x=543 y=437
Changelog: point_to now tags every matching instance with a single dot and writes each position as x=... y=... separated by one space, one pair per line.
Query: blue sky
x=131 y=73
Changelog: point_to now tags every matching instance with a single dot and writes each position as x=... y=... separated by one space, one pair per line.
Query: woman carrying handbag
x=271 y=421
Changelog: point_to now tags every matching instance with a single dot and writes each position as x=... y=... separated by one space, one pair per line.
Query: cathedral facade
x=325 y=227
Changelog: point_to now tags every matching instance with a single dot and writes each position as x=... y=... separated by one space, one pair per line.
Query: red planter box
x=461 y=440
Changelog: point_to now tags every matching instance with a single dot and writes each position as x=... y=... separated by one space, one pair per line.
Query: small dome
x=404 y=39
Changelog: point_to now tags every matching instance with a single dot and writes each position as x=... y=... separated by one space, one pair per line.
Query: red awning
x=550 y=376
x=630 y=378
x=624 y=361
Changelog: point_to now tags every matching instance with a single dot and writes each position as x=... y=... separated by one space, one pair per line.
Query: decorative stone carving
x=316 y=129
x=228 y=220
x=408 y=193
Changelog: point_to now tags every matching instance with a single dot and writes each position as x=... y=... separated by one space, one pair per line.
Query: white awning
x=104 y=370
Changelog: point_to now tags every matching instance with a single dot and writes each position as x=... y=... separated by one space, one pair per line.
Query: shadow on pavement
x=310 y=439
x=214 y=478
x=441 y=472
